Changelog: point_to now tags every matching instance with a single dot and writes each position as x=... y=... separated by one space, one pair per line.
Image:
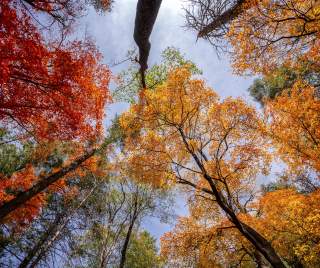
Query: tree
x=283 y=215
x=48 y=235
x=42 y=247
x=119 y=207
x=18 y=172
x=289 y=219
x=49 y=91
x=59 y=13
x=294 y=129
x=183 y=134
x=212 y=18
x=31 y=190
x=112 y=231
x=263 y=34
x=142 y=252
x=278 y=32
x=196 y=242
x=26 y=185
x=283 y=78
x=129 y=84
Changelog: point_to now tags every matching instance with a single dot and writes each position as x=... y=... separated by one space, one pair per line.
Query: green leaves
x=142 y=252
x=129 y=80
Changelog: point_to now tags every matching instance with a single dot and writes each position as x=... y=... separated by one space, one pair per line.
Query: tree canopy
x=80 y=189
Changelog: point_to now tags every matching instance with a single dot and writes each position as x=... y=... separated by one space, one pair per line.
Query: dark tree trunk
x=258 y=241
x=125 y=245
x=146 y=14
x=128 y=235
x=43 y=184
x=37 y=247
x=223 y=19
x=50 y=236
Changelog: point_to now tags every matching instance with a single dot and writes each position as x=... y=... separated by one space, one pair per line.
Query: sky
x=113 y=33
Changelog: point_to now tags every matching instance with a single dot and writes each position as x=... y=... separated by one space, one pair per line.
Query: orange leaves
x=295 y=127
x=19 y=182
x=183 y=117
x=269 y=33
x=186 y=243
x=49 y=169
x=49 y=91
x=291 y=221
x=205 y=244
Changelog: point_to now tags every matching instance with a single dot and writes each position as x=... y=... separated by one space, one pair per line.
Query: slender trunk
x=258 y=241
x=106 y=251
x=221 y=20
x=126 y=244
x=44 y=250
x=42 y=247
x=103 y=258
x=37 y=247
x=128 y=235
x=43 y=184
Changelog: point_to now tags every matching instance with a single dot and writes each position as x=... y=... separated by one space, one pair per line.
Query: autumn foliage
x=179 y=136
x=183 y=134
x=268 y=33
x=295 y=127
x=49 y=90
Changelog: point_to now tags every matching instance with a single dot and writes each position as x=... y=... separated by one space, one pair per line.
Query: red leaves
x=49 y=91
x=18 y=182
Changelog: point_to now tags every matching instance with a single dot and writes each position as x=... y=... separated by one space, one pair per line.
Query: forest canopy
x=80 y=187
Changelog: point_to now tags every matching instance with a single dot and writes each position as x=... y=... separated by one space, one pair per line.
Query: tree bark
x=223 y=19
x=146 y=14
x=53 y=232
x=43 y=184
x=258 y=241
x=128 y=235
x=37 y=247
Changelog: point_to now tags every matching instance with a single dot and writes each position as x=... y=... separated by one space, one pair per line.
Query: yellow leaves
x=269 y=33
x=291 y=221
x=184 y=242
x=144 y=165
x=182 y=119
x=203 y=243
x=295 y=127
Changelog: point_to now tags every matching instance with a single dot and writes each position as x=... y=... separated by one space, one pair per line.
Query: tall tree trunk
x=222 y=19
x=146 y=14
x=126 y=244
x=258 y=241
x=55 y=229
x=128 y=235
x=43 y=184
x=37 y=247
x=106 y=251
